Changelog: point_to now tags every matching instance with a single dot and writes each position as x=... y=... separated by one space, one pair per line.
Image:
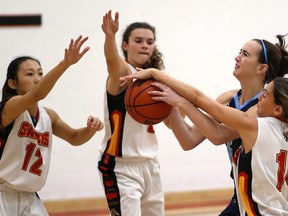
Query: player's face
x=247 y=64
x=266 y=105
x=29 y=74
x=140 y=46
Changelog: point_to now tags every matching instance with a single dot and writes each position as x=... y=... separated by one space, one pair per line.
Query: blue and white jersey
x=233 y=145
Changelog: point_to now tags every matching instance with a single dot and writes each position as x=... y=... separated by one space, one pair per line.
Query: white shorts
x=20 y=203
x=140 y=187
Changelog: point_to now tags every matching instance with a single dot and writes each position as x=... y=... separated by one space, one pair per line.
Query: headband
x=264 y=51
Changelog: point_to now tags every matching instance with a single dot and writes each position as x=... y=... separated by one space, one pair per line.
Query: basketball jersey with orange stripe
x=26 y=152
x=261 y=175
x=124 y=137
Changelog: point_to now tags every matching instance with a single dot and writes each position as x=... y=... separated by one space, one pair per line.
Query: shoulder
x=269 y=121
x=225 y=97
x=253 y=111
x=52 y=114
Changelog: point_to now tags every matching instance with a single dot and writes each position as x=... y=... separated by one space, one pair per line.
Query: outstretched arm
x=74 y=136
x=188 y=136
x=116 y=66
x=242 y=122
x=203 y=126
x=18 y=104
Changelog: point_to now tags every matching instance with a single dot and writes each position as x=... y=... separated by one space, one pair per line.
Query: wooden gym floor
x=192 y=211
x=199 y=203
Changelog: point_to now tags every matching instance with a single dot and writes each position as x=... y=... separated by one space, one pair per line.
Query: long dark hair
x=156 y=60
x=276 y=56
x=12 y=73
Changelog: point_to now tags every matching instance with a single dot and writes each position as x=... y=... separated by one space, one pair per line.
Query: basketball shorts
x=137 y=187
x=20 y=203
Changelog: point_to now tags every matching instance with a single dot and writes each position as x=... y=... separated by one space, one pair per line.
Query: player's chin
x=258 y=112
x=143 y=59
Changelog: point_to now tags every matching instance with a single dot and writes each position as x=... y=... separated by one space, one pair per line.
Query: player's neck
x=33 y=110
x=248 y=93
x=250 y=88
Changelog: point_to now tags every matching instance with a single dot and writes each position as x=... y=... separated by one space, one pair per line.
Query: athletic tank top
x=262 y=174
x=124 y=137
x=25 y=158
x=233 y=145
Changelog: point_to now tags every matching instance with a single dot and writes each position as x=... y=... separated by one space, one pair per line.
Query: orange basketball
x=140 y=105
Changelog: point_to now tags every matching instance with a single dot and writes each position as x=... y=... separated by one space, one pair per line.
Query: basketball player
x=26 y=130
x=260 y=164
x=128 y=165
x=258 y=62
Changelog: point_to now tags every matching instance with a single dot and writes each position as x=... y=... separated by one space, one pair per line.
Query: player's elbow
x=186 y=146
x=216 y=140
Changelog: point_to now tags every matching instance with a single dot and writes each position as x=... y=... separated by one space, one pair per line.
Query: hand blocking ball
x=140 y=105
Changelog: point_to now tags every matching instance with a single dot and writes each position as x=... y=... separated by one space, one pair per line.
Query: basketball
x=141 y=107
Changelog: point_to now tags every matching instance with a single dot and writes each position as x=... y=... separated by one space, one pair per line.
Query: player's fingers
x=78 y=43
x=98 y=125
x=160 y=93
x=71 y=44
x=116 y=18
x=84 y=51
x=159 y=85
x=125 y=79
x=124 y=82
x=101 y=126
x=77 y=40
x=139 y=69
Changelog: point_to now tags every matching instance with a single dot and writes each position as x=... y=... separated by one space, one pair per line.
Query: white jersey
x=261 y=176
x=124 y=137
x=25 y=159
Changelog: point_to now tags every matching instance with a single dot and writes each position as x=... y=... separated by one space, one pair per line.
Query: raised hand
x=73 y=53
x=110 y=26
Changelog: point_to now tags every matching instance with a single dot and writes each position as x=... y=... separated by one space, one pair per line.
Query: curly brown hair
x=156 y=60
